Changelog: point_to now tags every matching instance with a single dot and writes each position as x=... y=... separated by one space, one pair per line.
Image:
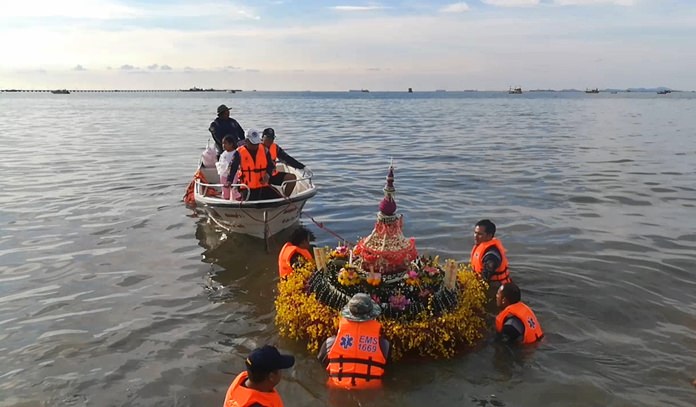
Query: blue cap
x=268 y=359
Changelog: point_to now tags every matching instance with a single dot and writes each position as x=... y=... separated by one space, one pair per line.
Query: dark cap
x=269 y=132
x=268 y=359
x=223 y=108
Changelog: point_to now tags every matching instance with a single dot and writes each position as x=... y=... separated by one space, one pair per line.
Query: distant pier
x=119 y=90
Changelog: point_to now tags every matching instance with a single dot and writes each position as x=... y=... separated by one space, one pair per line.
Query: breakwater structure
x=119 y=90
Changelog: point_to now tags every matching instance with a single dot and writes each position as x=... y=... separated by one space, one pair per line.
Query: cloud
x=357 y=8
x=127 y=67
x=594 y=2
x=455 y=8
x=512 y=3
x=79 y=68
x=166 y=68
x=153 y=66
x=253 y=70
x=93 y=9
x=373 y=69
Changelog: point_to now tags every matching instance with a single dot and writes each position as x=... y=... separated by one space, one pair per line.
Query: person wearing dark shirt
x=256 y=387
x=278 y=153
x=223 y=126
x=255 y=168
x=516 y=322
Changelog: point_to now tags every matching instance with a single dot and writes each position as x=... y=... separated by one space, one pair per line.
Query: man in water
x=357 y=356
x=488 y=257
x=516 y=322
x=256 y=386
x=223 y=126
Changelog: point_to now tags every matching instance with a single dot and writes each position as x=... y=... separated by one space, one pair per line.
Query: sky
x=338 y=45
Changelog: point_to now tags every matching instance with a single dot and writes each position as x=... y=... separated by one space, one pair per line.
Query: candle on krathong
x=350 y=258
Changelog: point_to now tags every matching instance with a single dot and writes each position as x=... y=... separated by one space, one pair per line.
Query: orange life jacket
x=251 y=170
x=501 y=274
x=532 y=327
x=356 y=360
x=285 y=257
x=189 y=195
x=240 y=396
x=273 y=150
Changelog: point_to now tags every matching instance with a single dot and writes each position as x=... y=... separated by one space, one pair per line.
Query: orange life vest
x=285 y=257
x=273 y=150
x=532 y=327
x=356 y=360
x=240 y=396
x=501 y=274
x=189 y=196
x=251 y=170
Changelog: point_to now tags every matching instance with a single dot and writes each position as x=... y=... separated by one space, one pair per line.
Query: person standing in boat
x=255 y=168
x=255 y=387
x=223 y=126
x=295 y=251
x=223 y=164
x=516 y=322
x=357 y=356
x=488 y=258
x=278 y=153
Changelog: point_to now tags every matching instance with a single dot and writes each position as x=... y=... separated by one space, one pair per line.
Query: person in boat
x=295 y=251
x=255 y=387
x=357 y=356
x=223 y=164
x=488 y=257
x=516 y=322
x=255 y=168
x=278 y=153
x=223 y=126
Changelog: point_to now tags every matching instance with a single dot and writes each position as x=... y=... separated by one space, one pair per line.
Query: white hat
x=253 y=136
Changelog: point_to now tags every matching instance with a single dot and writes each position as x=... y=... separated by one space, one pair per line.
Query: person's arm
x=386 y=348
x=234 y=166
x=513 y=330
x=215 y=134
x=270 y=166
x=239 y=132
x=289 y=160
x=491 y=262
x=323 y=355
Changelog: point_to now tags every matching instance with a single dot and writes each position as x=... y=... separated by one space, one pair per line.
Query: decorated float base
x=427 y=311
x=428 y=308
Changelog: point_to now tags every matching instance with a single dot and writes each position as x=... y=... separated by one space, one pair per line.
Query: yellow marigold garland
x=301 y=316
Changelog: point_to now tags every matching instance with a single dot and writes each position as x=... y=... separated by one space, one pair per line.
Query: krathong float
x=429 y=307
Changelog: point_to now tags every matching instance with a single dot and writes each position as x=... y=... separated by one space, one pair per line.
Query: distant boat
x=595 y=90
x=60 y=92
x=410 y=90
x=515 y=91
x=440 y=90
x=664 y=92
x=358 y=90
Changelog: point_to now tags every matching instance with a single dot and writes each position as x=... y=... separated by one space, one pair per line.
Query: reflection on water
x=113 y=293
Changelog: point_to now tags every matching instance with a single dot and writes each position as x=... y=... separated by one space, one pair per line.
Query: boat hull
x=260 y=219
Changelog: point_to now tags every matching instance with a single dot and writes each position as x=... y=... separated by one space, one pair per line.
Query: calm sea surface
x=112 y=293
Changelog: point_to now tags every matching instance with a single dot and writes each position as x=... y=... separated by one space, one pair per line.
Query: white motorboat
x=261 y=219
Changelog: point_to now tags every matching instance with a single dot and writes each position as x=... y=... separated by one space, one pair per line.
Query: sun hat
x=268 y=359
x=222 y=108
x=253 y=136
x=361 y=308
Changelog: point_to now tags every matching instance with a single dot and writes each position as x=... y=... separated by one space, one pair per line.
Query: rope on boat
x=321 y=226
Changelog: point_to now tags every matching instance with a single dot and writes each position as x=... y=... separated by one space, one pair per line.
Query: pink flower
x=412 y=274
x=399 y=302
